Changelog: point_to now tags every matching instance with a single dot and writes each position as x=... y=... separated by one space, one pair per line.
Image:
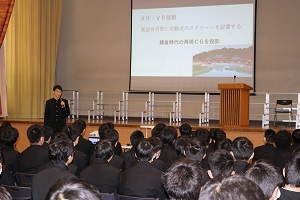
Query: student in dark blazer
x=56 y=110
x=142 y=180
x=109 y=126
x=267 y=150
x=48 y=133
x=35 y=156
x=61 y=154
x=168 y=135
x=103 y=176
x=84 y=145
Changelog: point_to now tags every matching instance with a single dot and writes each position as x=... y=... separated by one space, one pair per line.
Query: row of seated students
x=154 y=166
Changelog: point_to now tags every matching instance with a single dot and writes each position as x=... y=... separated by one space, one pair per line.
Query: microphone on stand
x=234 y=77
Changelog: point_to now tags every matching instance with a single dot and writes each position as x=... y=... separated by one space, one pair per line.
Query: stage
x=254 y=132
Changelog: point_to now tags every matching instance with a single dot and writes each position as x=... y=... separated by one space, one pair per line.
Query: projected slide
x=191 y=46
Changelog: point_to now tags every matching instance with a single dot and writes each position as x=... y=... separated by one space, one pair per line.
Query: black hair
x=9 y=136
x=5 y=124
x=224 y=144
x=135 y=137
x=292 y=170
x=105 y=126
x=296 y=136
x=72 y=132
x=144 y=150
x=221 y=163
x=48 y=132
x=55 y=87
x=157 y=143
x=180 y=145
x=156 y=131
x=265 y=175
x=195 y=150
x=232 y=187
x=185 y=129
x=104 y=149
x=183 y=180
x=60 y=150
x=270 y=135
x=5 y=195
x=80 y=123
x=283 y=139
x=110 y=134
x=242 y=148
x=73 y=189
x=168 y=135
x=204 y=134
x=35 y=132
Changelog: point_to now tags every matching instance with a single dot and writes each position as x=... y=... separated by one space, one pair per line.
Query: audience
x=157 y=129
x=73 y=189
x=242 y=152
x=35 y=156
x=296 y=139
x=6 y=176
x=224 y=144
x=103 y=176
x=183 y=180
x=167 y=136
x=110 y=126
x=157 y=145
x=185 y=130
x=48 y=133
x=267 y=150
x=84 y=145
x=180 y=145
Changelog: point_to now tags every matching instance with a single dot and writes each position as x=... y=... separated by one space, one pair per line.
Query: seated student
x=217 y=135
x=283 y=141
x=296 y=139
x=266 y=176
x=48 y=132
x=185 y=130
x=291 y=173
x=224 y=144
x=183 y=180
x=157 y=129
x=179 y=145
x=80 y=159
x=129 y=156
x=267 y=150
x=110 y=126
x=6 y=175
x=204 y=135
x=168 y=135
x=195 y=150
x=233 y=187
x=84 y=145
x=61 y=154
x=73 y=189
x=142 y=180
x=35 y=156
x=157 y=145
x=8 y=138
x=242 y=152
x=103 y=176
x=220 y=163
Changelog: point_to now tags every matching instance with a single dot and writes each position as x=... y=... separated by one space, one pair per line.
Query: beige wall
x=94 y=49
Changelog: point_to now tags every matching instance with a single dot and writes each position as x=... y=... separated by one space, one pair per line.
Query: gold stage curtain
x=31 y=51
x=6 y=7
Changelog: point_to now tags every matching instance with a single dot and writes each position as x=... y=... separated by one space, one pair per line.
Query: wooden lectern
x=234 y=105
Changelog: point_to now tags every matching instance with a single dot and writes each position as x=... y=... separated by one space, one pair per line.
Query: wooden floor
x=254 y=132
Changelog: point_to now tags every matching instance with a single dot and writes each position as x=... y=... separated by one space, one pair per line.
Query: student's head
x=292 y=171
x=185 y=130
x=105 y=126
x=57 y=91
x=61 y=150
x=48 y=132
x=232 y=187
x=5 y=124
x=224 y=144
x=183 y=180
x=204 y=134
x=296 y=136
x=242 y=148
x=104 y=149
x=35 y=133
x=9 y=136
x=73 y=133
x=80 y=123
x=180 y=145
x=269 y=135
x=156 y=131
x=195 y=150
x=110 y=134
x=157 y=145
x=135 y=137
x=4 y=194
x=283 y=139
x=73 y=189
x=266 y=176
x=144 y=150
x=168 y=135
x=217 y=134
x=220 y=163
